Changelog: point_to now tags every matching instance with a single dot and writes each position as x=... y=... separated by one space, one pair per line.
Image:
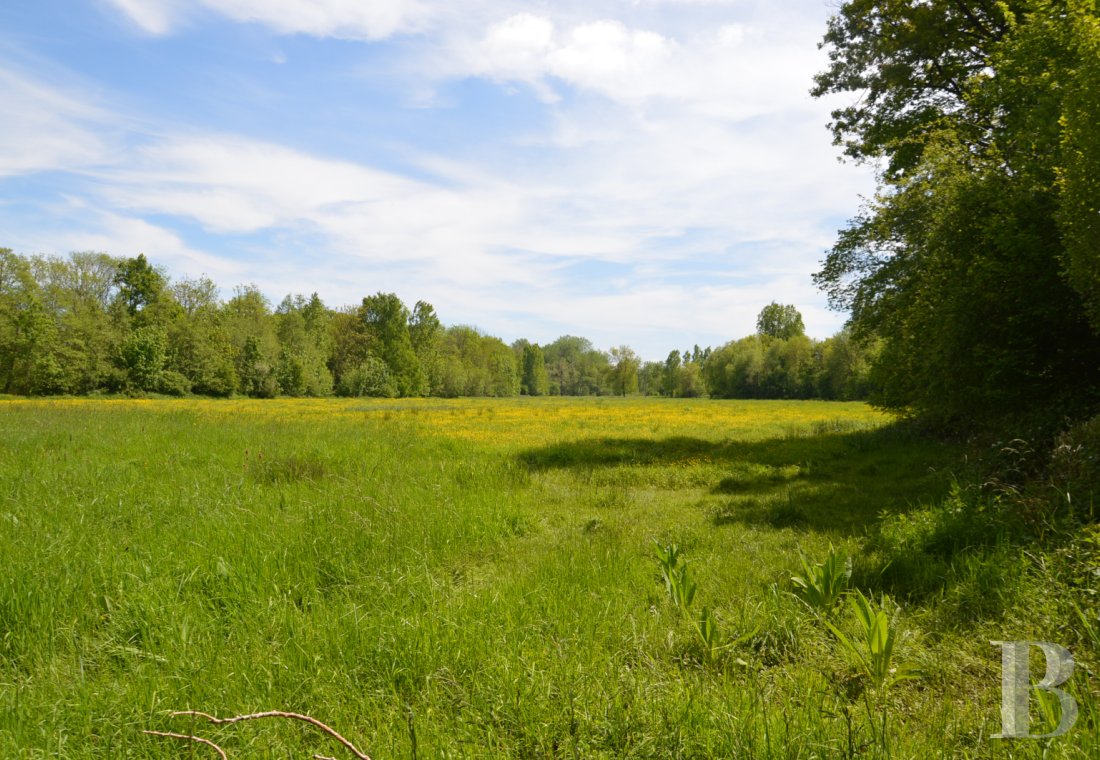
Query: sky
x=640 y=172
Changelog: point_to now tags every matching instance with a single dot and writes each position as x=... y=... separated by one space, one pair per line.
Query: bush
x=219 y=381
x=371 y=377
x=173 y=384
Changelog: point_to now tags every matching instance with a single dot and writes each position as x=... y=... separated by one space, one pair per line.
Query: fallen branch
x=189 y=737
x=274 y=714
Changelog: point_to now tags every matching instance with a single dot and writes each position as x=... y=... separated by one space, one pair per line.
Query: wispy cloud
x=349 y=19
x=45 y=128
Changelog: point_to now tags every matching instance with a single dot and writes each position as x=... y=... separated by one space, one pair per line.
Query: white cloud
x=44 y=128
x=732 y=71
x=516 y=48
x=153 y=16
x=682 y=147
x=88 y=228
x=349 y=19
x=608 y=57
x=354 y=19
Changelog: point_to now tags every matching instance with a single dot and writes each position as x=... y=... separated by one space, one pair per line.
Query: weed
x=822 y=585
x=708 y=631
x=682 y=588
x=873 y=650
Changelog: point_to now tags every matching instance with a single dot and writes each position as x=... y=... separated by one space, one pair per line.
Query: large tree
x=140 y=284
x=534 y=381
x=251 y=328
x=27 y=334
x=964 y=264
x=1079 y=177
x=426 y=336
x=777 y=320
x=623 y=370
x=77 y=291
x=386 y=319
x=575 y=367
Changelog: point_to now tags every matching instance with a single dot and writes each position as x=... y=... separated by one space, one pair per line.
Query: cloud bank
x=678 y=178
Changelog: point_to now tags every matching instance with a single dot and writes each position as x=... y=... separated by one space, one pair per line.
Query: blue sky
x=641 y=172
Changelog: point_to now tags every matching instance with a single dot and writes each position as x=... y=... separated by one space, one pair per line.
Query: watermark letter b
x=1016 y=687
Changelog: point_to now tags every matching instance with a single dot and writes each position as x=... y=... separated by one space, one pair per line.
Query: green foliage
x=302 y=329
x=251 y=331
x=978 y=336
x=681 y=377
x=781 y=321
x=1075 y=463
x=386 y=327
x=196 y=296
x=575 y=368
x=476 y=365
x=758 y=366
x=65 y=324
x=975 y=264
x=682 y=588
x=668 y=557
x=822 y=585
x=672 y=372
x=707 y=628
x=873 y=647
x=347 y=341
x=290 y=374
x=535 y=381
x=1079 y=175
x=913 y=63
x=140 y=284
x=679 y=584
x=48 y=376
x=735 y=370
x=690 y=381
x=790 y=368
x=426 y=336
x=651 y=379
x=26 y=332
x=255 y=370
x=371 y=377
x=173 y=383
x=142 y=357
x=845 y=368
x=623 y=370
x=77 y=293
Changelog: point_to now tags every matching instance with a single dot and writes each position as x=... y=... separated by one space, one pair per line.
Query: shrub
x=371 y=377
x=173 y=383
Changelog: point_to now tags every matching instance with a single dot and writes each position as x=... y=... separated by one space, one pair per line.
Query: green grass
x=478 y=579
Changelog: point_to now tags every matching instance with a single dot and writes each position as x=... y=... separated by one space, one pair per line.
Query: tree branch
x=964 y=9
x=277 y=714
x=189 y=737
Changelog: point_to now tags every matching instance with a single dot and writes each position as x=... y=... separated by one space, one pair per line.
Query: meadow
x=481 y=578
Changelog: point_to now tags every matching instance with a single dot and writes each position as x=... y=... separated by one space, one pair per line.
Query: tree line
x=90 y=323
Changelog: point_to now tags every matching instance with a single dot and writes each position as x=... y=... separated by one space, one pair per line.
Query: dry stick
x=189 y=737
x=277 y=714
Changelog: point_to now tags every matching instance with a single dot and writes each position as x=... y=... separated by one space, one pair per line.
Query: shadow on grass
x=835 y=481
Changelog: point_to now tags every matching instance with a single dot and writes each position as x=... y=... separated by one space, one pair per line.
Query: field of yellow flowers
x=523 y=421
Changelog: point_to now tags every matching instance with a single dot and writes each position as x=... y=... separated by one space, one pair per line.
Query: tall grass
x=476 y=579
